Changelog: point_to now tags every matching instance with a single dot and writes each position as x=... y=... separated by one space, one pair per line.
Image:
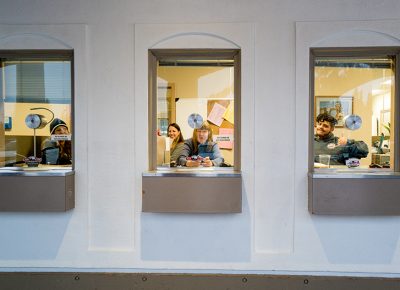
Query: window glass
x=36 y=108
x=354 y=113
x=195 y=112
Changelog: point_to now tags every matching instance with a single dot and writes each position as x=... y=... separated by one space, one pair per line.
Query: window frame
x=49 y=54
x=154 y=56
x=40 y=191
x=356 y=52
x=347 y=193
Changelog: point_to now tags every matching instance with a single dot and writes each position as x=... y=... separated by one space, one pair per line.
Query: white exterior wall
x=275 y=233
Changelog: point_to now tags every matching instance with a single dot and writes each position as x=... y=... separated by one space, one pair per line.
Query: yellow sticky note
x=229 y=113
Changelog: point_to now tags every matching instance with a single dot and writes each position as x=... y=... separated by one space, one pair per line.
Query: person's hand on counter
x=193 y=163
x=207 y=162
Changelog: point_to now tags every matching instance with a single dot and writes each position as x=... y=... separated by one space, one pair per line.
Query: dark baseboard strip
x=156 y=281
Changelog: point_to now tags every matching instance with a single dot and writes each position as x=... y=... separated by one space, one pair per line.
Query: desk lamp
x=36 y=121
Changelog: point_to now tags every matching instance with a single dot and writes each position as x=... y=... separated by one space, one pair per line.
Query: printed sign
x=225 y=138
x=61 y=137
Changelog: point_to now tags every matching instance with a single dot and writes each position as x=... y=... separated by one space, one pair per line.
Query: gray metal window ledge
x=189 y=190
x=354 y=193
x=50 y=190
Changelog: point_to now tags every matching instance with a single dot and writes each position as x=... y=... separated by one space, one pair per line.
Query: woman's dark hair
x=177 y=140
x=328 y=118
x=176 y=126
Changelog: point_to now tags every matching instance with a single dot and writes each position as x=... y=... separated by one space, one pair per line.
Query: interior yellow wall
x=358 y=83
x=185 y=78
x=19 y=111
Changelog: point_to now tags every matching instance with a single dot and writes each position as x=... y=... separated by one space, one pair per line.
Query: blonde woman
x=201 y=144
x=175 y=134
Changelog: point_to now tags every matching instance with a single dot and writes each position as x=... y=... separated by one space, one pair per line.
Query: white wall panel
x=275 y=233
x=110 y=134
x=36 y=237
x=343 y=242
x=163 y=235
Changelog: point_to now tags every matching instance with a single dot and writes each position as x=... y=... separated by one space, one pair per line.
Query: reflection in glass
x=190 y=92
x=353 y=112
x=33 y=88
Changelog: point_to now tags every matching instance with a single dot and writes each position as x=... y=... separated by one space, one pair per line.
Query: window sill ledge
x=182 y=191
x=364 y=193
x=36 y=171
x=194 y=172
x=355 y=174
x=37 y=191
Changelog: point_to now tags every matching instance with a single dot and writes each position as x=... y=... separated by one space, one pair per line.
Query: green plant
x=387 y=127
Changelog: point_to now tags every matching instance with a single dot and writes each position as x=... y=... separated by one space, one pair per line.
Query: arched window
x=194 y=93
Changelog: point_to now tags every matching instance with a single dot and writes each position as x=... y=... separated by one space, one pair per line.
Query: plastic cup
x=325 y=159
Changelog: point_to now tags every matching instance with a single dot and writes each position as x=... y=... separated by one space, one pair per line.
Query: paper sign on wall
x=216 y=114
x=55 y=137
x=228 y=115
x=225 y=138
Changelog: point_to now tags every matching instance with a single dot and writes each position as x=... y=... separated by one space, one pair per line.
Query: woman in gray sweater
x=201 y=144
